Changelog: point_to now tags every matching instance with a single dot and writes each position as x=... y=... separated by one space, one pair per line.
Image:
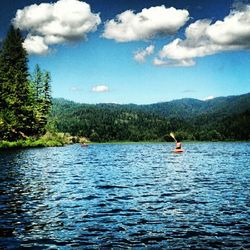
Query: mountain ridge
x=222 y=118
x=195 y=106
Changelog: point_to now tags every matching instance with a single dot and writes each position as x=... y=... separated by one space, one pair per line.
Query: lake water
x=127 y=196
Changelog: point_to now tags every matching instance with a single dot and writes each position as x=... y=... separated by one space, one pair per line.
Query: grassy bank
x=47 y=140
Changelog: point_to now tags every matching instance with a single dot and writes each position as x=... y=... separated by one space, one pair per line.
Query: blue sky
x=201 y=51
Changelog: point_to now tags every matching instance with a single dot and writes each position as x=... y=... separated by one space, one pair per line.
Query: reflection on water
x=126 y=196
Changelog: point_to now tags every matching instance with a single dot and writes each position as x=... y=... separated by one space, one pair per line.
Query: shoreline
x=40 y=143
x=47 y=140
x=160 y=142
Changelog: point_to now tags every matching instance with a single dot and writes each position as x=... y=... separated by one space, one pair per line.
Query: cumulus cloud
x=100 y=88
x=205 y=38
x=140 y=56
x=55 y=23
x=146 y=24
x=36 y=45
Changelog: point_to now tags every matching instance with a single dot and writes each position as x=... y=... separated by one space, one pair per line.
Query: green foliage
x=111 y=122
x=16 y=111
x=25 y=104
x=108 y=123
x=42 y=101
x=47 y=140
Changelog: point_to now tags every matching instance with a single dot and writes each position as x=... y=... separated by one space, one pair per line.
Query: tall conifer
x=16 y=113
x=42 y=97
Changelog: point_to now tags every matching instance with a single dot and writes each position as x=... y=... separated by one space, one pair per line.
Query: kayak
x=84 y=145
x=178 y=150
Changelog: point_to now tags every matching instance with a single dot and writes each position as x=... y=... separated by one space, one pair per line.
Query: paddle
x=172 y=135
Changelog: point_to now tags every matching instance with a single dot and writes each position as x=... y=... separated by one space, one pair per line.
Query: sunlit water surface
x=128 y=196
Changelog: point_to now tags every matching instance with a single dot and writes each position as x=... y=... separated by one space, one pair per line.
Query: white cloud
x=234 y=30
x=100 y=88
x=173 y=63
x=204 y=38
x=208 y=98
x=146 y=24
x=36 y=45
x=140 y=56
x=55 y=23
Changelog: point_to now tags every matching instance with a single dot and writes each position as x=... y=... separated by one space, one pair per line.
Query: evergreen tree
x=40 y=81
x=47 y=92
x=16 y=116
x=37 y=82
x=46 y=99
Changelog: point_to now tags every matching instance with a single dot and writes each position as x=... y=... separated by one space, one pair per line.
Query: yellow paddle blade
x=172 y=135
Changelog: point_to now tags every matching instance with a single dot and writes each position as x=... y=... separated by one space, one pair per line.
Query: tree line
x=110 y=122
x=25 y=98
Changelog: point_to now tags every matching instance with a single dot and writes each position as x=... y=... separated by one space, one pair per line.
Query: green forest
x=224 y=118
x=28 y=112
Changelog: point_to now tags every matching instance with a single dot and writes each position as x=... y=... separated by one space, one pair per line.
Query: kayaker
x=178 y=145
x=178 y=148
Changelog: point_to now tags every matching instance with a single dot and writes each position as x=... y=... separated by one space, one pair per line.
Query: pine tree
x=38 y=82
x=46 y=99
x=16 y=115
x=47 y=92
x=42 y=98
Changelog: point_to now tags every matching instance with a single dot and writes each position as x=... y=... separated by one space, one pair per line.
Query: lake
x=126 y=196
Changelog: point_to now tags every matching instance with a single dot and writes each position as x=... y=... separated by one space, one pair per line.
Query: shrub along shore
x=47 y=140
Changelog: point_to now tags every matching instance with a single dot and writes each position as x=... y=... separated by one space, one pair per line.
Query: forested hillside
x=110 y=122
x=224 y=118
x=187 y=108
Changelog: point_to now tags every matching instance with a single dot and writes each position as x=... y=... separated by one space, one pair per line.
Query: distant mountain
x=188 y=107
x=219 y=119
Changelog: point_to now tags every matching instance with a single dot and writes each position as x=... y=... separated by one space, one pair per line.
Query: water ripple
x=126 y=196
